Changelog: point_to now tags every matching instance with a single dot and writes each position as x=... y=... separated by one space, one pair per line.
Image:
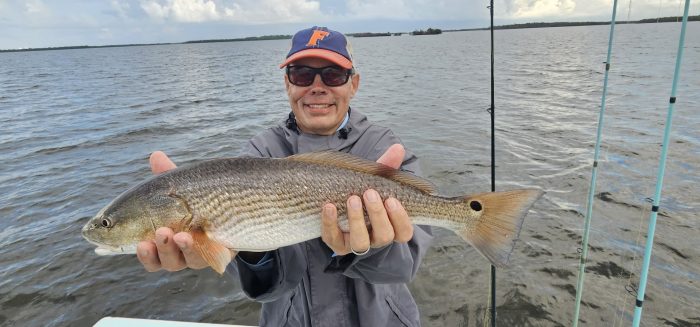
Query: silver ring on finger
x=360 y=253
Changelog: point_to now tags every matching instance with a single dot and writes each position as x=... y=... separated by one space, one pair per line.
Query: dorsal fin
x=354 y=163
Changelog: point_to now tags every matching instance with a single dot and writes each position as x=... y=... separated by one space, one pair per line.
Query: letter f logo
x=317 y=36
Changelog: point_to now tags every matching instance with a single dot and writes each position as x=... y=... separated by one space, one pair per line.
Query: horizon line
x=667 y=19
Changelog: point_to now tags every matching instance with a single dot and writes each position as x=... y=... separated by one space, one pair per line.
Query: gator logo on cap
x=318 y=35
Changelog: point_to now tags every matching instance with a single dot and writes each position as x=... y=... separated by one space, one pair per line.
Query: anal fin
x=215 y=254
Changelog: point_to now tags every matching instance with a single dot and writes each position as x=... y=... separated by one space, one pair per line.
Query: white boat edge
x=133 y=322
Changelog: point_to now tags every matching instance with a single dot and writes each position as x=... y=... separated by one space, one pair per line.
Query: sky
x=55 y=23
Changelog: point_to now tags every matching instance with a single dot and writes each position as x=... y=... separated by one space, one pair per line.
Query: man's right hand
x=170 y=251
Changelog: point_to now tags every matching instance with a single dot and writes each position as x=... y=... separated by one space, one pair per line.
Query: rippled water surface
x=78 y=126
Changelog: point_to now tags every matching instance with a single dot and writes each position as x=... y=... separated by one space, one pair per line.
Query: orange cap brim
x=331 y=56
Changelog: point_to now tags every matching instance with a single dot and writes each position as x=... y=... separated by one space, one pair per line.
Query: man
x=342 y=279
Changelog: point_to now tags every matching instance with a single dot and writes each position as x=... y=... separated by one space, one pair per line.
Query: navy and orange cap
x=320 y=42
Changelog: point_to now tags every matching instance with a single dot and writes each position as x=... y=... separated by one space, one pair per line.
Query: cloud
x=190 y=11
x=276 y=11
x=121 y=8
x=415 y=9
x=241 y=11
x=34 y=7
x=392 y=9
x=540 y=8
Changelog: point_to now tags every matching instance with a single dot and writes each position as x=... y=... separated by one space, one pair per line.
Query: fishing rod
x=492 y=111
x=660 y=175
x=594 y=175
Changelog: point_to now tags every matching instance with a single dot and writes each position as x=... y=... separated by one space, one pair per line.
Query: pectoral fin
x=215 y=254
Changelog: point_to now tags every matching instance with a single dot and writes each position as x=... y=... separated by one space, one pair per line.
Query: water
x=78 y=126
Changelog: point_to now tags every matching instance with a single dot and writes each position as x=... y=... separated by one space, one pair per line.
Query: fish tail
x=494 y=233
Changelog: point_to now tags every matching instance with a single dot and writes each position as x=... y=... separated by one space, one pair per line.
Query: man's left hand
x=389 y=220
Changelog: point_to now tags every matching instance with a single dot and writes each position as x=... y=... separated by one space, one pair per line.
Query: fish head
x=134 y=216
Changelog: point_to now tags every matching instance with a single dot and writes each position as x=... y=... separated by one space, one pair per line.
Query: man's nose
x=318 y=87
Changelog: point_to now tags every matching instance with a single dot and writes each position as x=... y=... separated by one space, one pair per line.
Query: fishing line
x=660 y=174
x=594 y=174
x=629 y=10
x=629 y=287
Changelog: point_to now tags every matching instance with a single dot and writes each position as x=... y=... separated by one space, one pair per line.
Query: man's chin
x=319 y=125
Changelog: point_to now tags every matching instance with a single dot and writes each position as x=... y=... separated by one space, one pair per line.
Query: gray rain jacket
x=304 y=284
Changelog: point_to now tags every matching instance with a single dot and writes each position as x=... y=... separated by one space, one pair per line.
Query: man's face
x=320 y=109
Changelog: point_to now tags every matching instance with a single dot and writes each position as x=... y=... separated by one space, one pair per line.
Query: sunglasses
x=331 y=75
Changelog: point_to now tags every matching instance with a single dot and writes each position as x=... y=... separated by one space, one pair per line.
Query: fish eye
x=106 y=223
x=475 y=205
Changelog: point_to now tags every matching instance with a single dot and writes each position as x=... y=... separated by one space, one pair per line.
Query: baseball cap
x=320 y=42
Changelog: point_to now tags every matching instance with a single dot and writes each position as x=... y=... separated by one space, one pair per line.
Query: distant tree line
x=566 y=24
x=250 y=38
x=368 y=34
x=429 y=31
x=669 y=19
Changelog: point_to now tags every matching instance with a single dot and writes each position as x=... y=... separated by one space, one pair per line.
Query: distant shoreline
x=282 y=37
x=569 y=24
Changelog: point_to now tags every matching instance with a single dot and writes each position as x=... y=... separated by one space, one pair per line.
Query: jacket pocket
x=398 y=312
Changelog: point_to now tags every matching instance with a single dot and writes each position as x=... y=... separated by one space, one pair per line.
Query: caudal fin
x=494 y=233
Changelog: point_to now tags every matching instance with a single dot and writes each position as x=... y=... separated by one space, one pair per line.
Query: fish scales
x=274 y=198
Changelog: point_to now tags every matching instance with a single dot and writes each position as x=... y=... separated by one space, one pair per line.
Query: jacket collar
x=302 y=142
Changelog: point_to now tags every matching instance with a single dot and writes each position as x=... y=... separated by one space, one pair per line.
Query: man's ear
x=355 y=81
x=286 y=82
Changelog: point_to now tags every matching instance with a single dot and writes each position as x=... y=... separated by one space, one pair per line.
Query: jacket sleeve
x=394 y=263
x=279 y=272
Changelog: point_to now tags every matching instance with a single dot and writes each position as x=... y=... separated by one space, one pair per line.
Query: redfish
x=261 y=204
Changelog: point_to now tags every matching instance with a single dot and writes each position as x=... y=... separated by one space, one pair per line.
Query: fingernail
x=391 y=203
x=372 y=196
x=144 y=253
x=162 y=239
x=355 y=203
x=181 y=245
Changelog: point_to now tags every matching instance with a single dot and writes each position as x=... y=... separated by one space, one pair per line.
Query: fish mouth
x=103 y=250
x=106 y=249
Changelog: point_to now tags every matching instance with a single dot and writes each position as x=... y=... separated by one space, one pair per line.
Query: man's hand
x=169 y=252
x=390 y=222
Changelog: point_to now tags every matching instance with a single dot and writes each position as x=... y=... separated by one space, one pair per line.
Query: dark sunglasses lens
x=332 y=76
x=302 y=76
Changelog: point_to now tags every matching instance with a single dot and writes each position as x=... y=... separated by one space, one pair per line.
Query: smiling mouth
x=318 y=106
